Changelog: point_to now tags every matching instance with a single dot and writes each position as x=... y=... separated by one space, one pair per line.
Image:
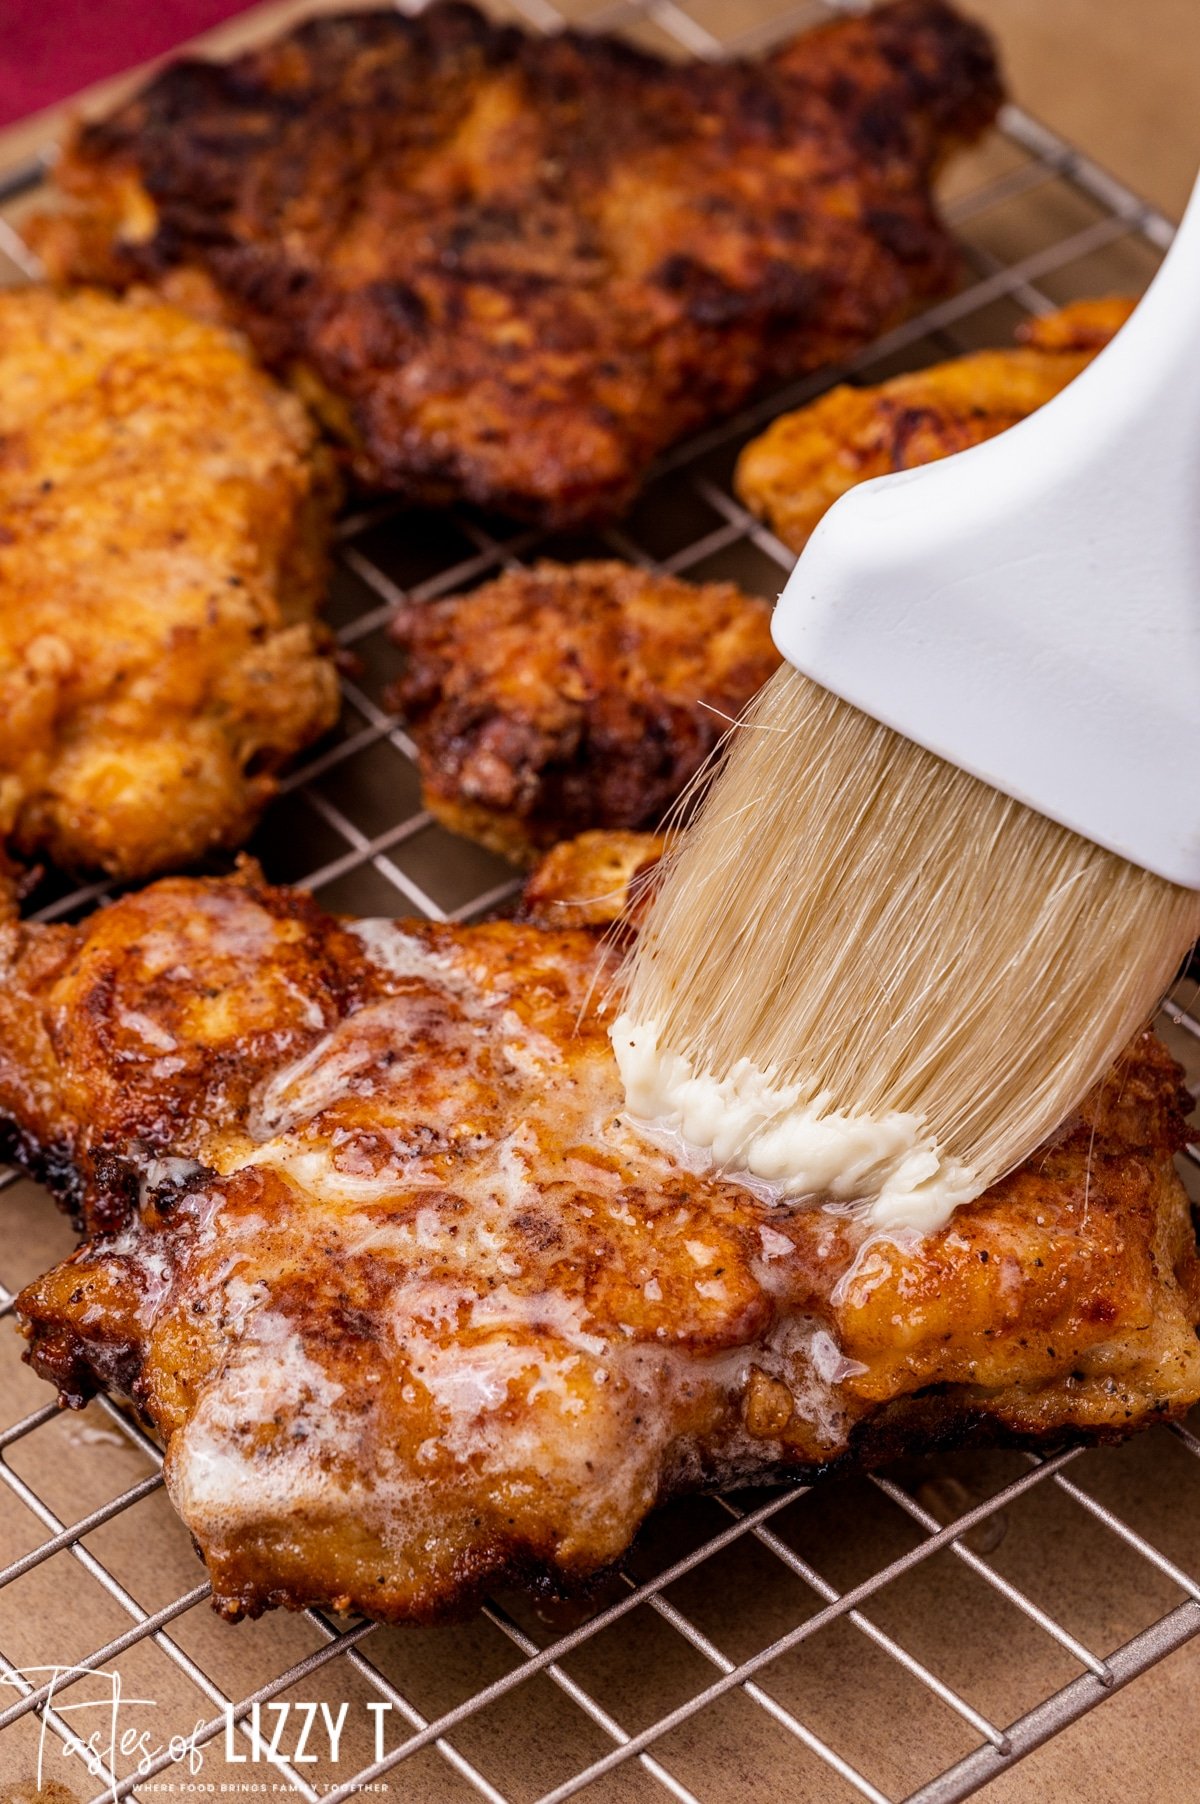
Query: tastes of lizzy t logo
x=87 y=1716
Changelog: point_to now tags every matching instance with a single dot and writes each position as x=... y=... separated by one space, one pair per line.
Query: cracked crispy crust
x=799 y=466
x=570 y=697
x=597 y=879
x=511 y=269
x=164 y=518
x=413 y=1307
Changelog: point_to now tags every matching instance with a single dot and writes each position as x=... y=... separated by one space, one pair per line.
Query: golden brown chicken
x=412 y=1303
x=510 y=269
x=797 y=469
x=568 y=697
x=598 y=879
x=164 y=518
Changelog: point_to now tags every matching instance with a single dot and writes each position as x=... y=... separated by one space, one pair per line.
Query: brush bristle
x=852 y=914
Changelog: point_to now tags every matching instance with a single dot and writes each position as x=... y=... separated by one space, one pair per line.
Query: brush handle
x=1029 y=609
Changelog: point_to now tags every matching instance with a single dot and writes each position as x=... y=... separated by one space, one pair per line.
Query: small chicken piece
x=796 y=470
x=510 y=268
x=595 y=880
x=164 y=522
x=415 y=1307
x=571 y=697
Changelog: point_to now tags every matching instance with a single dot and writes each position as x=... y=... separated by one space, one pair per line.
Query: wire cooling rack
x=911 y=1635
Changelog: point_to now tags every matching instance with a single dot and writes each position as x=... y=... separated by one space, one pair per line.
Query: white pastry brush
x=952 y=858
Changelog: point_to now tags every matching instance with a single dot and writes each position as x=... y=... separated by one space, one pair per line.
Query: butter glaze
x=413 y=1304
x=790 y=1139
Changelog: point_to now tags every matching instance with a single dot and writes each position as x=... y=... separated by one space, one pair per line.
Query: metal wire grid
x=466 y=551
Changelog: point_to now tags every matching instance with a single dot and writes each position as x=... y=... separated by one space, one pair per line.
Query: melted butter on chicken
x=411 y=1305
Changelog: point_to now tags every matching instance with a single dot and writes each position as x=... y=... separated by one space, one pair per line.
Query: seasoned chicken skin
x=598 y=879
x=412 y=1303
x=570 y=697
x=509 y=268
x=164 y=515
x=797 y=469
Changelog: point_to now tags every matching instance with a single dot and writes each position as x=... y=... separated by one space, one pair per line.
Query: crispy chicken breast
x=569 y=697
x=510 y=269
x=413 y=1304
x=797 y=469
x=164 y=517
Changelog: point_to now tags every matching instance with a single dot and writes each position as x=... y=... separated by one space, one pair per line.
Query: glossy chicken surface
x=596 y=879
x=796 y=470
x=569 y=697
x=510 y=268
x=414 y=1306
x=164 y=517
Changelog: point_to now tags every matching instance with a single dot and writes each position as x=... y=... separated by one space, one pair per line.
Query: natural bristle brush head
x=870 y=973
x=867 y=974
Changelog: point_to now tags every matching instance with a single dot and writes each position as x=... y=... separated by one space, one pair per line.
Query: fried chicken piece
x=796 y=470
x=414 y=1306
x=595 y=880
x=164 y=517
x=510 y=269
x=568 y=697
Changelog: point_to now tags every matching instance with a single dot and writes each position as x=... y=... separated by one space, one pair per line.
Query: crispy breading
x=164 y=518
x=414 y=1306
x=799 y=466
x=567 y=697
x=509 y=268
x=597 y=879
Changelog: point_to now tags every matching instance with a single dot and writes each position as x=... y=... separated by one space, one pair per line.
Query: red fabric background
x=50 y=49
